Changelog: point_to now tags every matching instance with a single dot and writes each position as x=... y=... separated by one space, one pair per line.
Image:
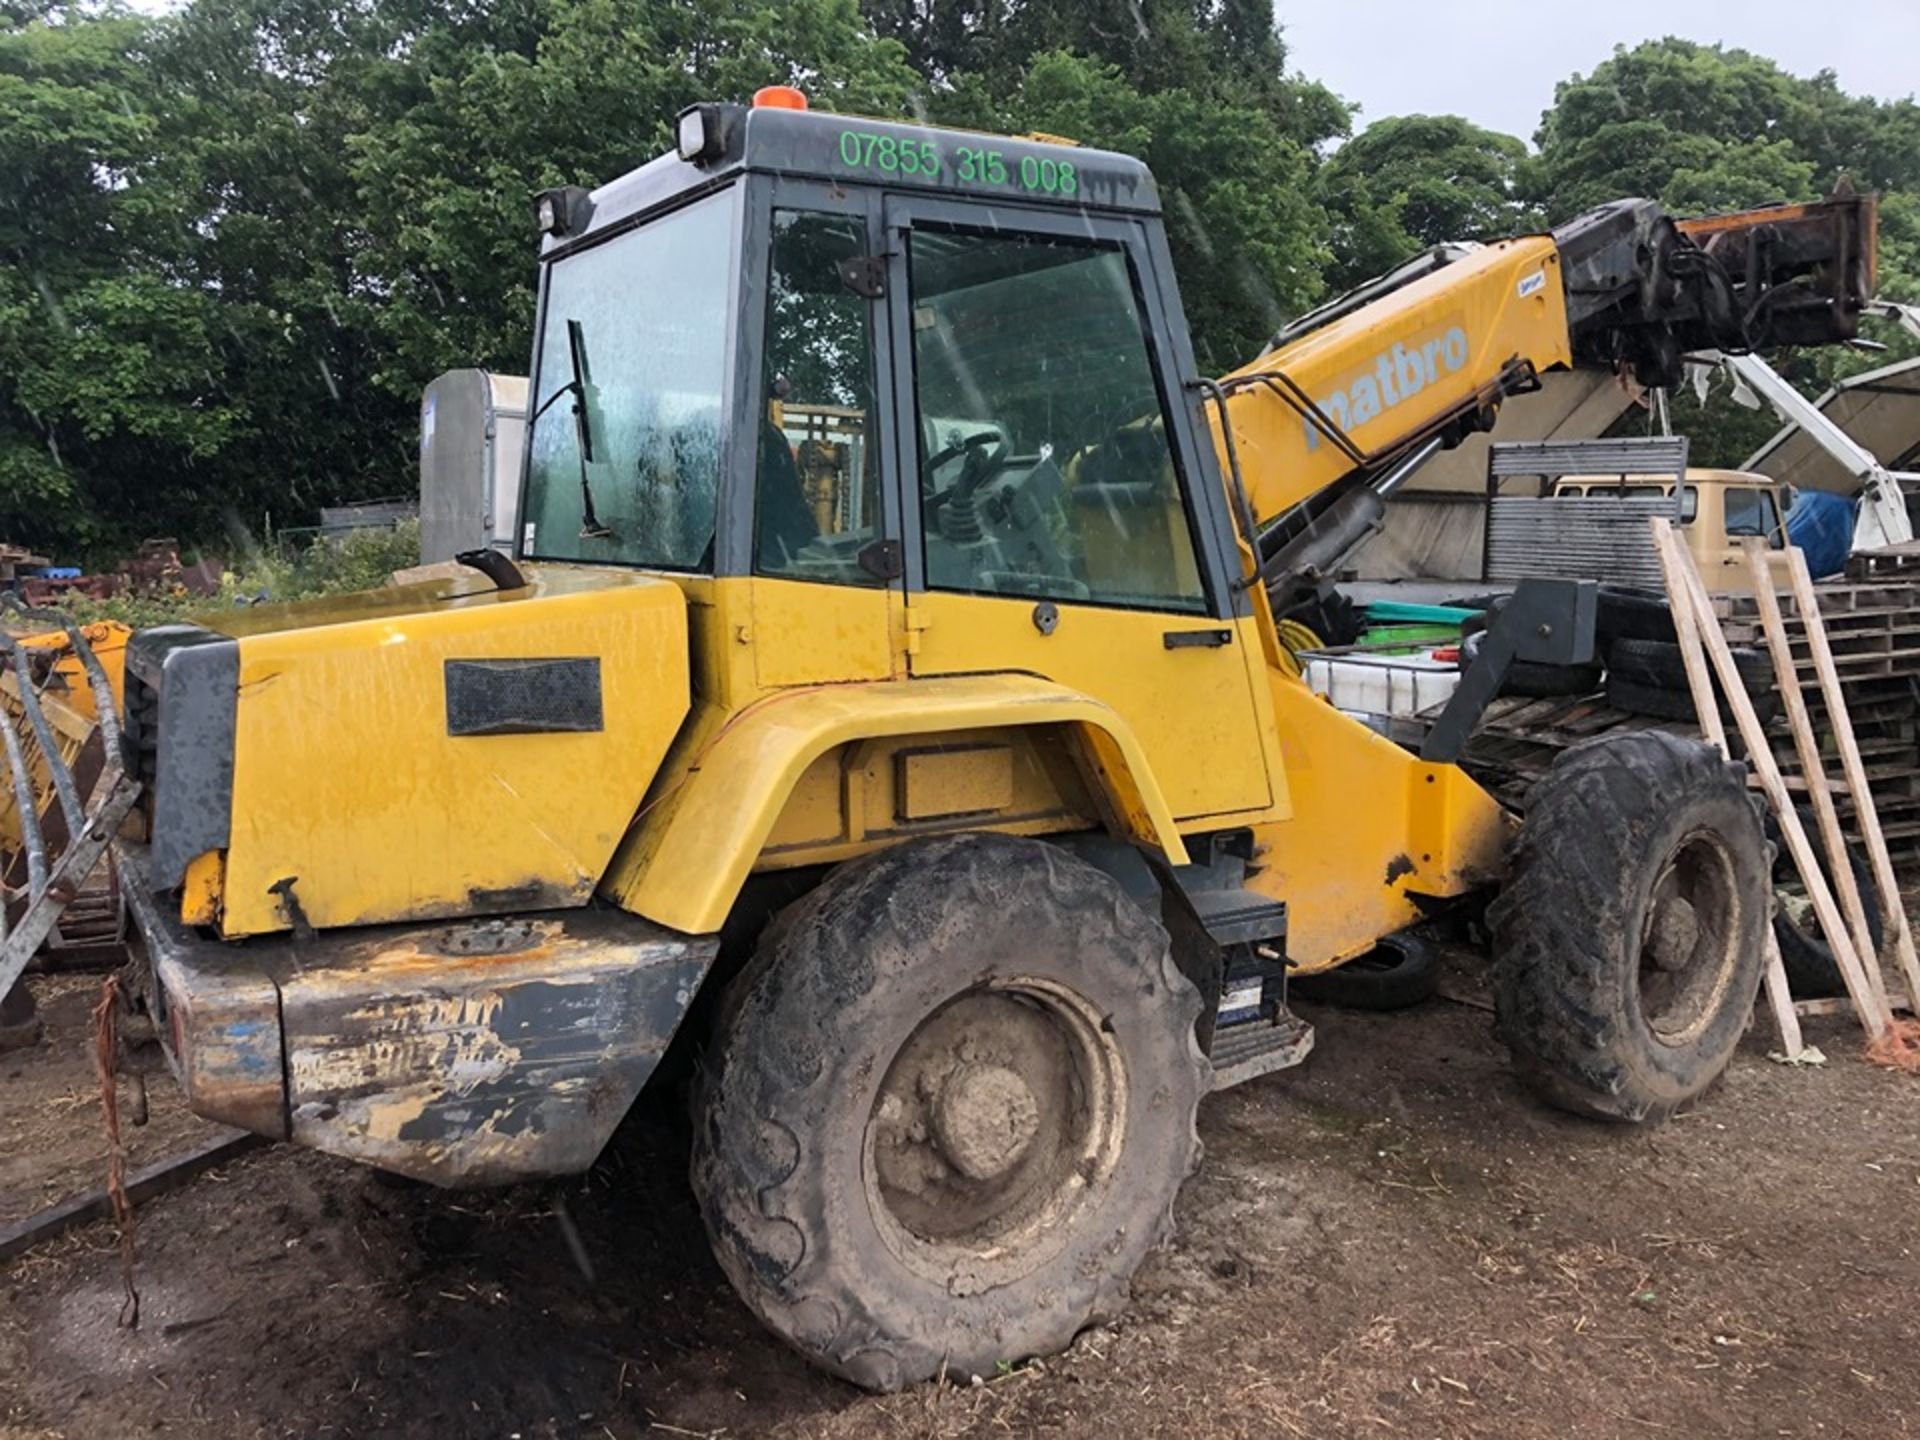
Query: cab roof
x=959 y=164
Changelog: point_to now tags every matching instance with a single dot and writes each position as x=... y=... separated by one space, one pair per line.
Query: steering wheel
x=974 y=473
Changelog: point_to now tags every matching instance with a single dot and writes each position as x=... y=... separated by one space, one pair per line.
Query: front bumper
x=463 y=1053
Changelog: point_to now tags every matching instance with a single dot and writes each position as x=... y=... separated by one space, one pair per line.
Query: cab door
x=1050 y=517
x=822 y=550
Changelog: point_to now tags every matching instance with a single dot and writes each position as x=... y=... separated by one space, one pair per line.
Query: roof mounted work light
x=563 y=211
x=699 y=134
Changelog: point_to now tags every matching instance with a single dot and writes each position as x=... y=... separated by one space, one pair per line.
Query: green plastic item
x=1412 y=637
x=1402 y=612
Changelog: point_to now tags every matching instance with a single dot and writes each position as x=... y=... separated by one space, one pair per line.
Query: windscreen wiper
x=590 y=526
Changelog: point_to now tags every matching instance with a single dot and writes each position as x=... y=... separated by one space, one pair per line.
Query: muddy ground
x=1391 y=1240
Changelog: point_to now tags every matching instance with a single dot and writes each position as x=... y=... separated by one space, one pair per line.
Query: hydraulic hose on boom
x=1350 y=399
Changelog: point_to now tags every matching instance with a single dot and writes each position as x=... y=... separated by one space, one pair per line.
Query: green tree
x=100 y=358
x=236 y=242
x=1721 y=122
x=1413 y=181
x=1704 y=128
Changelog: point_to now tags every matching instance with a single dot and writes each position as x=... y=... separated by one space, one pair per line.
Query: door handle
x=1196 y=639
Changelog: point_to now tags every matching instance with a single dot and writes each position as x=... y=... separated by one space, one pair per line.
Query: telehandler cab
x=941 y=760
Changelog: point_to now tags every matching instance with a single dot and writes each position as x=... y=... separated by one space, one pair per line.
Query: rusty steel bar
x=63 y=786
x=223 y=1145
x=32 y=839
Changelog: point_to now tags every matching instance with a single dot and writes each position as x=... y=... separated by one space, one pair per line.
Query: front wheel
x=1630 y=939
x=951 y=1102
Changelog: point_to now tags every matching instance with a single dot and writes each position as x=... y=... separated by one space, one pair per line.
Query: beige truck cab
x=1717 y=510
x=1580 y=510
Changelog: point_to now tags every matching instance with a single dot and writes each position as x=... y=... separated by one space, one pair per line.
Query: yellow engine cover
x=412 y=754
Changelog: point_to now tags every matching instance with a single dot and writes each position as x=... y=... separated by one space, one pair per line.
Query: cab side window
x=816 y=503
x=1045 y=467
x=1752 y=512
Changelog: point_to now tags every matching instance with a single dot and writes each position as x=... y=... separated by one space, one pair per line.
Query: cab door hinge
x=915 y=622
x=864 y=275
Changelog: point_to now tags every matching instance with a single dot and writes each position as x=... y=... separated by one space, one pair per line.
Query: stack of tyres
x=1645 y=674
x=1648 y=677
x=1636 y=651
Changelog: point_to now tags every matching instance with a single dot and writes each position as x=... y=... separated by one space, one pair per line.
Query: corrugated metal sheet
x=1628 y=455
x=1572 y=538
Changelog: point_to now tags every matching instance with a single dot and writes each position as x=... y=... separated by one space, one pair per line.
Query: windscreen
x=624 y=442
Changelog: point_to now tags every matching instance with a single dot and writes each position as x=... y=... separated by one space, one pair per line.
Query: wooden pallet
x=1872 y=625
x=1873 y=629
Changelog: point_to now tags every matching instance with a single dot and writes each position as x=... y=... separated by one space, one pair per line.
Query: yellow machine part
x=1295 y=640
x=717 y=807
x=1373 y=826
x=74 y=734
x=1406 y=361
x=68 y=681
x=351 y=797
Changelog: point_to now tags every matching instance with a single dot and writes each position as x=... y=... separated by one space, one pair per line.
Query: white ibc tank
x=1399 y=686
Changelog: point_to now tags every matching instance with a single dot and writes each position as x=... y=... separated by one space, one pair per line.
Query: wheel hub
x=1676 y=932
x=1687 y=954
x=992 y=1123
x=984 y=1120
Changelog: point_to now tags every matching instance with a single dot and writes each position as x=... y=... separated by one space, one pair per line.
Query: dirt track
x=1391 y=1240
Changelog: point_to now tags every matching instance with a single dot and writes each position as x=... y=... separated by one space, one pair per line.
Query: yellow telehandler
x=938 y=784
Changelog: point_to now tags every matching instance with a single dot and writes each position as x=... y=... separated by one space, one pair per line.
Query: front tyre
x=1630 y=939
x=951 y=1102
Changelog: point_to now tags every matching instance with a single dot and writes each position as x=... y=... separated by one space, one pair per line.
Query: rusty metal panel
x=217 y=1013
x=484 y=1052
x=464 y=1053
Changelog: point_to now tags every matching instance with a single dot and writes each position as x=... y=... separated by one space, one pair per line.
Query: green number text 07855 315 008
x=887 y=153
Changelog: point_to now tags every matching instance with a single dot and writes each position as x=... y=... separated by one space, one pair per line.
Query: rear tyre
x=1399 y=972
x=951 y=1102
x=1626 y=612
x=1804 y=952
x=1628 y=942
x=1657 y=703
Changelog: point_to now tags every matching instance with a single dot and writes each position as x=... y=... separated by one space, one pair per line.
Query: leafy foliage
x=1414 y=181
x=1706 y=128
x=361 y=560
x=236 y=241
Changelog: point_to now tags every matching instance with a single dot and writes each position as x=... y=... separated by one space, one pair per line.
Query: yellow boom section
x=1396 y=369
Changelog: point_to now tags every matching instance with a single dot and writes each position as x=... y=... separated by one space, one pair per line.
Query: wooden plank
x=1687 y=622
x=1780 y=1000
x=142 y=1185
x=1866 y=816
x=1694 y=592
x=1812 y=767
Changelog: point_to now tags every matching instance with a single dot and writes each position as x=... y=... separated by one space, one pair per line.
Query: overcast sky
x=1496 y=62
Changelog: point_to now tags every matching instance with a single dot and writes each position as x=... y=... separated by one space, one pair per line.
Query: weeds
x=361 y=560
